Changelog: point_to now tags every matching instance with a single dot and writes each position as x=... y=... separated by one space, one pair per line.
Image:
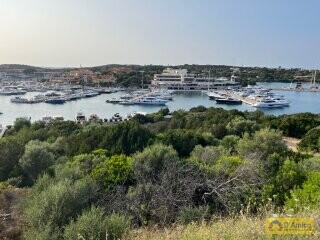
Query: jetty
x=296 y=89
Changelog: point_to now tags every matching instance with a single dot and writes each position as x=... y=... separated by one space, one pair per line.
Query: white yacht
x=80 y=117
x=150 y=101
x=19 y=100
x=162 y=95
x=214 y=95
x=271 y=103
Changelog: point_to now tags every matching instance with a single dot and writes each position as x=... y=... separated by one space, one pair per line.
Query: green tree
x=262 y=144
x=311 y=141
x=36 y=159
x=239 y=125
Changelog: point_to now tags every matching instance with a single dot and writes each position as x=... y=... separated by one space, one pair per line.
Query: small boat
x=37 y=99
x=116 y=118
x=94 y=118
x=19 y=100
x=228 y=100
x=80 y=117
x=126 y=102
x=114 y=100
x=90 y=94
x=52 y=94
x=55 y=100
x=126 y=97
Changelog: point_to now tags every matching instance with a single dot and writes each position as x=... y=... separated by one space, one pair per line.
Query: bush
x=114 y=170
x=51 y=205
x=189 y=214
x=308 y=196
x=117 y=226
x=89 y=225
x=311 y=141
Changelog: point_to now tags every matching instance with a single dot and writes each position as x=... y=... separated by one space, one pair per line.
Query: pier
x=296 y=89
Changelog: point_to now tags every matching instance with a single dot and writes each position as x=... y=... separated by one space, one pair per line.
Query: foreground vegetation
x=188 y=176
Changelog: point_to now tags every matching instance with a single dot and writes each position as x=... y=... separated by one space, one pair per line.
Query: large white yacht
x=150 y=101
x=272 y=103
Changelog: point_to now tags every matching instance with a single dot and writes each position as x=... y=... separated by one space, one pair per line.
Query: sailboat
x=313 y=86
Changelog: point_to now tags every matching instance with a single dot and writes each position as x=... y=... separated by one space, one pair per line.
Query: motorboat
x=55 y=100
x=90 y=93
x=80 y=117
x=228 y=100
x=150 y=101
x=126 y=97
x=19 y=100
x=94 y=118
x=214 y=95
x=126 y=102
x=271 y=103
x=37 y=99
x=114 y=100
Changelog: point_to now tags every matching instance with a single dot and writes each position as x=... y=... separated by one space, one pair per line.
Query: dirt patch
x=11 y=221
x=292 y=143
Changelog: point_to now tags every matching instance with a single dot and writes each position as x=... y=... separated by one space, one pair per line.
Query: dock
x=296 y=89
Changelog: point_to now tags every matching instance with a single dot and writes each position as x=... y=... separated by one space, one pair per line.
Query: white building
x=181 y=80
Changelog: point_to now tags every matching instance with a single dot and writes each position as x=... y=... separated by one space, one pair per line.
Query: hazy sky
x=95 y=32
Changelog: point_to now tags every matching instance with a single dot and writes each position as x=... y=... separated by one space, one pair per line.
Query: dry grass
x=10 y=213
x=226 y=229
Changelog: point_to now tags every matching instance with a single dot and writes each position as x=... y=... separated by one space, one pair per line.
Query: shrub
x=117 y=226
x=308 y=196
x=311 y=141
x=90 y=224
x=51 y=205
x=190 y=214
x=114 y=170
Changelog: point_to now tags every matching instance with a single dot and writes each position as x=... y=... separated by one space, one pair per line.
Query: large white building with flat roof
x=181 y=80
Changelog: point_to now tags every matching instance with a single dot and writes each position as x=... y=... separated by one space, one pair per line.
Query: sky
x=70 y=33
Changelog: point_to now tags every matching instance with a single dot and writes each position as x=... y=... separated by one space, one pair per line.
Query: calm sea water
x=300 y=102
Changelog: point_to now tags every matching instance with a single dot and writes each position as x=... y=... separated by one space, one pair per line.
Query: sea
x=300 y=102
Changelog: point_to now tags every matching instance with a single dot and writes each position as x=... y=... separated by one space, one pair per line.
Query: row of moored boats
x=256 y=96
x=144 y=97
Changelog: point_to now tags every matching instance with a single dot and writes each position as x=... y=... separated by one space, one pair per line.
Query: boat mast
x=142 y=79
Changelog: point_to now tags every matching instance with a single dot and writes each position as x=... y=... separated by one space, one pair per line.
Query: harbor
x=175 y=89
x=299 y=102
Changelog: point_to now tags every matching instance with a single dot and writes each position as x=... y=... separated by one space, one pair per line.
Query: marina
x=299 y=102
